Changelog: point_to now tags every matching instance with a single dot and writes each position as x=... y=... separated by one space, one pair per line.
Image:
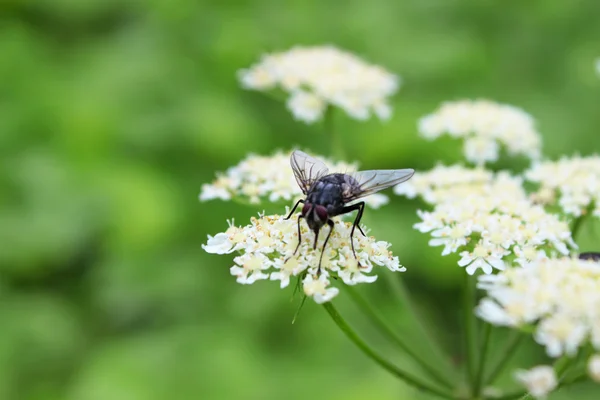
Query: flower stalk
x=369 y=352
x=507 y=352
x=336 y=146
x=385 y=329
x=482 y=359
x=403 y=297
x=470 y=333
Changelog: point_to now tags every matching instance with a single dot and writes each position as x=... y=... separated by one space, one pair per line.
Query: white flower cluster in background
x=494 y=226
x=444 y=182
x=484 y=125
x=260 y=178
x=266 y=248
x=539 y=381
x=571 y=182
x=316 y=77
x=558 y=298
x=593 y=367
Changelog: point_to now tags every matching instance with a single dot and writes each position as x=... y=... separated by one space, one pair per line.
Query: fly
x=327 y=194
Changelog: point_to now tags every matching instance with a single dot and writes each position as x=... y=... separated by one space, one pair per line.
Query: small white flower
x=593 y=367
x=218 y=244
x=286 y=269
x=306 y=106
x=210 y=192
x=493 y=313
x=269 y=178
x=557 y=298
x=528 y=253
x=267 y=245
x=539 y=381
x=353 y=272
x=484 y=125
x=382 y=110
x=451 y=237
x=250 y=267
x=319 y=289
x=320 y=76
x=561 y=334
x=481 y=149
x=572 y=183
x=482 y=257
x=258 y=78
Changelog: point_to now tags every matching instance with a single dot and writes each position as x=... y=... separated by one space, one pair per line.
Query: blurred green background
x=113 y=113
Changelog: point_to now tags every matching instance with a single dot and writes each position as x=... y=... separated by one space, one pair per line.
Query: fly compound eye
x=321 y=213
x=306 y=209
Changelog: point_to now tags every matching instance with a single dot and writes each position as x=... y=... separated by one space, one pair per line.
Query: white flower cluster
x=493 y=226
x=558 y=298
x=445 y=182
x=266 y=251
x=485 y=125
x=260 y=178
x=316 y=77
x=574 y=182
x=539 y=381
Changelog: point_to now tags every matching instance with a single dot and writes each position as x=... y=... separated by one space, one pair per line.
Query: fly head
x=316 y=215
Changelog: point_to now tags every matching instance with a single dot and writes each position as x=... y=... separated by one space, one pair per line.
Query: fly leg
x=299 y=239
x=299 y=233
x=330 y=223
x=360 y=207
x=294 y=209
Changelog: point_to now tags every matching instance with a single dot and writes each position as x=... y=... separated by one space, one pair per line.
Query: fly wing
x=307 y=169
x=372 y=181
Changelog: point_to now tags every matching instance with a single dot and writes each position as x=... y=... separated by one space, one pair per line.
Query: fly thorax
x=346 y=190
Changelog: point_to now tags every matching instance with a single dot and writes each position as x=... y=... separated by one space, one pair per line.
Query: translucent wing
x=372 y=181
x=307 y=169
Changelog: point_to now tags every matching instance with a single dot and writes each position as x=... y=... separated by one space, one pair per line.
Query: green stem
x=392 y=336
x=507 y=353
x=561 y=366
x=369 y=352
x=487 y=329
x=335 y=142
x=402 y=294
x=470 y=334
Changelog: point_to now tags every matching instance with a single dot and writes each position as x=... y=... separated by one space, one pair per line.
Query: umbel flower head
x=268 y=178
x=484 y=126
x=446 y=182
x=316 y=77
x=493 y=224
x=572 y=183
x=559 y=299
x=266 y=247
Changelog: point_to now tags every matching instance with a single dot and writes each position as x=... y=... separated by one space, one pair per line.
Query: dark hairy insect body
x=327 y=194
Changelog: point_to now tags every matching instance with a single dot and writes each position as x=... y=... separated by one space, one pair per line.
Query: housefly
x=328 y=194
